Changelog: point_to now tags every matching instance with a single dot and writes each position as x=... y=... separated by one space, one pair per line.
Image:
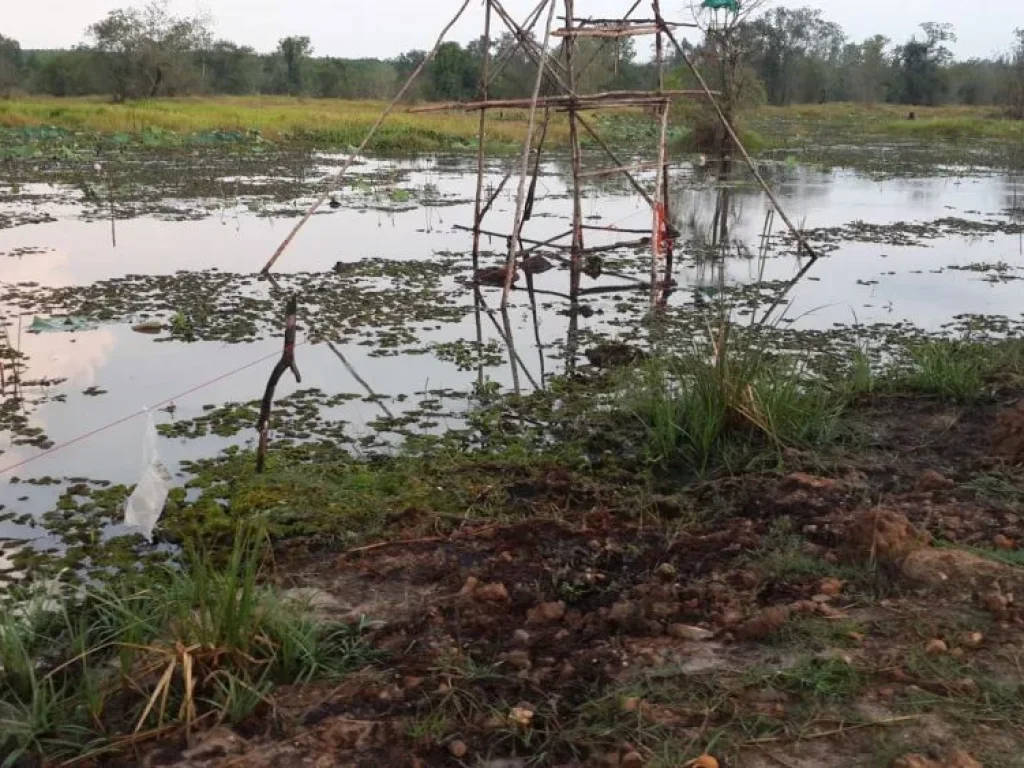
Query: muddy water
x=918 y=251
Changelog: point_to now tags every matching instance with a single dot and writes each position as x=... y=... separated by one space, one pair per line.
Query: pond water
x=909 y=251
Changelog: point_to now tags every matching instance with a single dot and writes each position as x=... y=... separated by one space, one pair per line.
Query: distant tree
x=920 y=64
x=147 y=52
x=874 y=73
x=797 y=54
x=11 y=63
x=453 y=74
x=229 y=68
x=294 y=51
x=76 y=72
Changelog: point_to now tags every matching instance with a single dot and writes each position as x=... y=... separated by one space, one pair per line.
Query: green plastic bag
x=732 y=5
x=60 y=324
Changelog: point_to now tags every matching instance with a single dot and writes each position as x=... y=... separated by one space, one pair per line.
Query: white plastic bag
x=146 y=503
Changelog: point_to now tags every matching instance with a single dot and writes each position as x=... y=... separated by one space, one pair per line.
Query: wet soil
x=779 y=618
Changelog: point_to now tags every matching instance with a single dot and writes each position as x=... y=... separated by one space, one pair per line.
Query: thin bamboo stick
x=515 y=244
x=659 y=207
x=366 y=141
x=607 y=32
x=362 y=382
x=530 y=46
x=601 y=100
x=480 y=157
x=577 y=160
x=528 y=24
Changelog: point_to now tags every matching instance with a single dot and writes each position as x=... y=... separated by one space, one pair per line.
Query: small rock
x=766 y=623
x=458 y=749
x=966 y=686
x=914 y=761
x=804 y=481
x=664 y=610
x=935 y=647
x=494 y=593
x=521 y=716
x=958 y=758
x=521 y=637
x=470 y=586
x=1003 y=542
x=148 y=326
x=546 y=613
x=930 y=480
x=621 y=612
x=995 y=601
x=830 y=587
x=632 y=704
x=972 y=640
x=218 y=742
x=704 y=761
x=690 y=633
x=632 y=760
x=666 y=571
x=519 y=659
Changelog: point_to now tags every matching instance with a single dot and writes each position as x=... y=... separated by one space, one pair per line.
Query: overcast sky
x=358 y=28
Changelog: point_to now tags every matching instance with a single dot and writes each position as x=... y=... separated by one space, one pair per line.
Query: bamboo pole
x=514 y=242
x=529 y=45
x=658 y=229
x=601 y=100
x=481 y=154
x=366 y=141
x=531 y=195
x=506 y=338
x=362 y=382
x=577 y=160
x=739 y=145
x=528 y=24
x=607 y=32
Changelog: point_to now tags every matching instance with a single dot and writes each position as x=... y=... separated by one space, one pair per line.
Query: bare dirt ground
x=861 y=612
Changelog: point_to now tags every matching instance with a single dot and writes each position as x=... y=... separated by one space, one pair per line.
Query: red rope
x=125 y=419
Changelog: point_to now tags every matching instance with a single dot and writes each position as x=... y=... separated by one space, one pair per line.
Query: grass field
x=275 y=118
x=861 y=123
x=341 y=123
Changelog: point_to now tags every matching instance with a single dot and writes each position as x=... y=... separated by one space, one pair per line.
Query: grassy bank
x=857 y=124
x=341 y=123
x=325 y=121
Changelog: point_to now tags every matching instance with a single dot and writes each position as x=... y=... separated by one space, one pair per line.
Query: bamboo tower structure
x=558 y=76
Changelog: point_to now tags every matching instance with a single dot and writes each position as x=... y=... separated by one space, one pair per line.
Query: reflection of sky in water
x=137 y=372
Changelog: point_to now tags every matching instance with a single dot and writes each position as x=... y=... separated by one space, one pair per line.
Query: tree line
x=785 y=56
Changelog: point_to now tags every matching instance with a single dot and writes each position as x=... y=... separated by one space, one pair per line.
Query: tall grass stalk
x=728 y=397
x=197 y=644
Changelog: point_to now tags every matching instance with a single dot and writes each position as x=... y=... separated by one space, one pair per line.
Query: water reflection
x=726 y=237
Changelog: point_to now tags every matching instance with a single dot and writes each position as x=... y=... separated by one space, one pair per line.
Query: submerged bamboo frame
x=556 y=88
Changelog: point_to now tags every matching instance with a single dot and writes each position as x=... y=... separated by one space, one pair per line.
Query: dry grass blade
x=161 y=688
